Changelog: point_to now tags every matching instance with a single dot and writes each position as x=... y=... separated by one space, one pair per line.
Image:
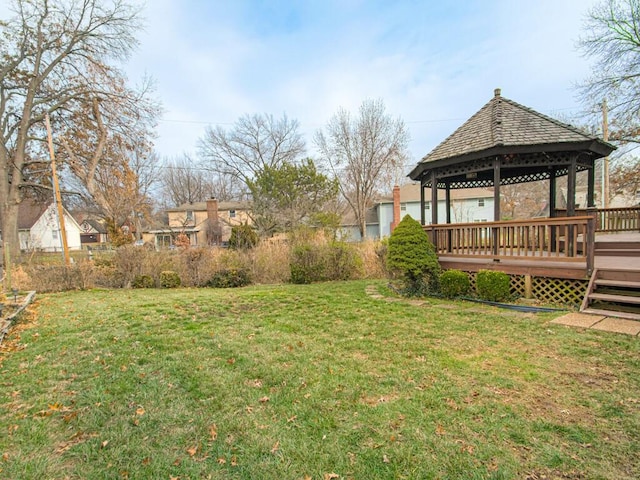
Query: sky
x=433 y=63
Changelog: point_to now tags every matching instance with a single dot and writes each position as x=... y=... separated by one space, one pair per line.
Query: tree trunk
x=10 y=238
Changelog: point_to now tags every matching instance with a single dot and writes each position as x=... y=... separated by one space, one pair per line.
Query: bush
x=143 y=281
x=243 y=237
x=230 y=278
x=412 y=255
x=306 y=264
x=341 y=261
x=493 y=286
x=454 y=283
x=169 y=279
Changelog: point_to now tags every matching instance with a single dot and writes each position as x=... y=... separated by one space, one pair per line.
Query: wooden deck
x=567 y=247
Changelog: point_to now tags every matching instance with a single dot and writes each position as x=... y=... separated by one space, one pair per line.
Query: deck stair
x=614 y=293
x=629 y=248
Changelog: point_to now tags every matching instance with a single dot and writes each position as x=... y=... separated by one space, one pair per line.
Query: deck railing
x=568 y=239
x=611 y=220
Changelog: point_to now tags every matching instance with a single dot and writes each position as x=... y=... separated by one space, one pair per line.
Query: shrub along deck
x=312 y=381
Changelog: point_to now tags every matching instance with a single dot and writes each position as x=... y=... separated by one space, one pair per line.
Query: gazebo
x=506 y=143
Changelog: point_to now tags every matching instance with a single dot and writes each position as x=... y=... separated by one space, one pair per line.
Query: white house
x=467 y=205
x=39 y=229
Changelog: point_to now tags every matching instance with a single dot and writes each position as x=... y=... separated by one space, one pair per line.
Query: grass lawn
x=320 y=382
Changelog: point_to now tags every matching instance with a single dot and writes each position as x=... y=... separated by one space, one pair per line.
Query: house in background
x=203 y=223
x=38 y=227
x=467 y=206
x=93 y=233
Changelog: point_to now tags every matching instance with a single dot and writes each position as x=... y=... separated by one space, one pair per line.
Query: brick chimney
x=212 y=210
x=214 y=230
x=396 y=207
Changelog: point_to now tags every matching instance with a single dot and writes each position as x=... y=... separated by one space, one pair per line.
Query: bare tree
x=625 y=180
x=55 y=61
x=252 y=144
x=363 y=153
x=612 y=37
x=184 y=180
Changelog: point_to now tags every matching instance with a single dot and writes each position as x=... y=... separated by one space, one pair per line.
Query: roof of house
x=348 y=218
x=96 y=225
x=410 y=192
x=202 y=206
x=29 y=211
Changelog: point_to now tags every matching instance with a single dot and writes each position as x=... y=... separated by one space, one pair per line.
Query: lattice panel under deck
x=559 y=291
x=555 y=291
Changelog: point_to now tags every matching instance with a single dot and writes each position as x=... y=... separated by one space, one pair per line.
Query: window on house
x=403 y=207
x=54 y=234
x=163 y=240
x=232 y=214
x=481 y=202
x=189 y=215
x=427 y=205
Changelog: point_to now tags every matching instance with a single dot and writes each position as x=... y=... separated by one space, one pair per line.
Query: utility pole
x=605 y=160
x=58 y=198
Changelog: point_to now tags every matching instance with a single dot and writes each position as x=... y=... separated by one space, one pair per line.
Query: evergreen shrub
x=454 y=283
x=169 y=279
x=493 y=286
x=143 y=281
x=230 y=278
x=412 y=256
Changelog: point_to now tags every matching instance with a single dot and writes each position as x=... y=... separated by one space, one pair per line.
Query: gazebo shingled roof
x=507 y=143
x=505 y=127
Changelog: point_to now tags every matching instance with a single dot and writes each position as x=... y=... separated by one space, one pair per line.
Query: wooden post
x=590 y=243
x=552 y=206
x=605 y=160
x=422 y=205
x=434 y=198
x=56 y=188
x=496 y=202
x=528 y=287
x=447 y=202
x=571 y=204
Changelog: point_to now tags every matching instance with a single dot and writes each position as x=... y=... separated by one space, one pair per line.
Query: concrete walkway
x=600 y=322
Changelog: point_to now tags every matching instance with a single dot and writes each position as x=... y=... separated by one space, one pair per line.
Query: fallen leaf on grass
x=146 y=461
x=234 y=461
x=275 y=447
x=213 y=432
x=264 y=399
x=104 y=444
x=331 y=476
x=140 y=411
x=221 y=461
x=440 y=430
x=385 y=459
x=192 y=451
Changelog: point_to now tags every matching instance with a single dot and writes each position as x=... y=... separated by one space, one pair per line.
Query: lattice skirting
x=556 y=291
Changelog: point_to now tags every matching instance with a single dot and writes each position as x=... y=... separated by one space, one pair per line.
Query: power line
x=433 y=120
